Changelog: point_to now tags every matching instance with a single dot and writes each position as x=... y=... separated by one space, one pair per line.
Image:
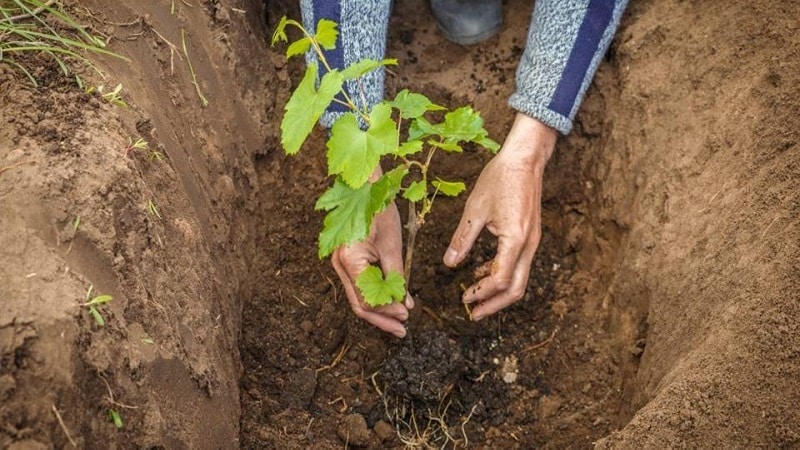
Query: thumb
x=464 y=237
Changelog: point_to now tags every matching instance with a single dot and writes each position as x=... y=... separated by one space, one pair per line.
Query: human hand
x=507 y=201
x=384 y=246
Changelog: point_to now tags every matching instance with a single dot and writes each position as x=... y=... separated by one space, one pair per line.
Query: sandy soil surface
x=661 y=312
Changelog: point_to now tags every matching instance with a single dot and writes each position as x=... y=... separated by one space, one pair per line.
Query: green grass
x=42 y=27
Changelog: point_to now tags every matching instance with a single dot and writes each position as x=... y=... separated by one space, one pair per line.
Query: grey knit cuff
x=526 y=105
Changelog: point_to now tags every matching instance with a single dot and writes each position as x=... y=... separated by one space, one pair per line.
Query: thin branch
x=63 y=426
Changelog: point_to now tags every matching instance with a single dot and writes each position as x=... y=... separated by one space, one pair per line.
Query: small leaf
x=449 y=188
x=421 y=128
x=416 y=191
x=97 y=316
x=298 y=47
x=326 y=34
x=365 y=66
x=353 y=153
x=378 y=290
x=447 y=146
x=99 y=300
x=463 y=124
x=487 y=143
x=115 y=417
x=409 y=148
x=280 y=31
x=413 y=105
x=384 y=191
x=306 y=106
x=148 y=341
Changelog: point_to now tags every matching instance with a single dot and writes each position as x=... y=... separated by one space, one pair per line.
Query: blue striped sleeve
x=566 y=42
x=362 y=35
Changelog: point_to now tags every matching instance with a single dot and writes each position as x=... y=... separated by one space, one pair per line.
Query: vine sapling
x=359 y=139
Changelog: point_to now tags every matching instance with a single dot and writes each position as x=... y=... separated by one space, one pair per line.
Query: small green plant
x=359 y=139
x=94 y=303
x=138 y=144
x=151 y=207
x=115 y=417
x=27 y=26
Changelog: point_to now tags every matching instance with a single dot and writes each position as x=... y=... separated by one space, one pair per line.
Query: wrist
x=530 y=140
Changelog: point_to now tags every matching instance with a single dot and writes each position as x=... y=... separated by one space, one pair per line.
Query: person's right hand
x=384 y=246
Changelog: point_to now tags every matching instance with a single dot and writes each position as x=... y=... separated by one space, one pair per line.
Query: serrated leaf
x=365 y=66
x=416 y=191
x=384 y=191
x=97 y=316
x=449 y=188
x=348 y=217
x=280 y=31
x=409 y=148
x=377 y=290
x=326 y=34
x=353 y=153
x=463 y=124
x=421 y=128
x=447 y=146
x=487 y=143
x=298 y=47
x=412 y=105
x=350 y=211
x=306 y=106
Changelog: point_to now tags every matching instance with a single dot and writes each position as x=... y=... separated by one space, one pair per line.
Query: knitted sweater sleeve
x=566 y=42
x=362 y=35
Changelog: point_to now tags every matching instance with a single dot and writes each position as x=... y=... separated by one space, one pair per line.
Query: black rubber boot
x=468 y=22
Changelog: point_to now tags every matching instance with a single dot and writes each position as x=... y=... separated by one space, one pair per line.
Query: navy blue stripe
x=332 y=10
x=590 y=33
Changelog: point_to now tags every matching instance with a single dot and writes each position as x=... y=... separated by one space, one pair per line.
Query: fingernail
x=409 y=302
x=401 y=334
x=450 y=257
x=477 y=317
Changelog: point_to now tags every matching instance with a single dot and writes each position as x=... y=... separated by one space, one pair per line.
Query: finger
x=505 y=264
x=463 y=238
x=518 y=286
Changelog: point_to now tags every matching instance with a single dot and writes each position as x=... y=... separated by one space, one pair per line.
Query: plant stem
x=413 y=227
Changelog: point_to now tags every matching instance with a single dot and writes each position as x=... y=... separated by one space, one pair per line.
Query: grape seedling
x=359 y=139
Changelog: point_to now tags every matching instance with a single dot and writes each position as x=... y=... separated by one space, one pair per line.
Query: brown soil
x=661 y=310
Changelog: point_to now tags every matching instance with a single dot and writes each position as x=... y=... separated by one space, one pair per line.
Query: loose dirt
x=661 y=310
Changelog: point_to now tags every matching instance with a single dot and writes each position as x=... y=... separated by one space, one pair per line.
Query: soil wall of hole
x=661 y=310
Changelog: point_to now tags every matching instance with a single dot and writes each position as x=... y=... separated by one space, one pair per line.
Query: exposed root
x=64 y=426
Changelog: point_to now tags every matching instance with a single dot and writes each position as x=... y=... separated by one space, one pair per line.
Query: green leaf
x=326 y=34
x=384 y=191
x=378 y=290
x=488 y=143
x=99 y=300
x=353 y=153
x=350 y=211
x=306 y=106
x=364 y=66
x=280 y=31
x=447 y=146
x=409 y=148
x=463 y=124
x=449 y=188
x=421 y=128
x=298 y=47
x=97 y=316
x=115 y=417
x=413 y=105
x=415 y=191
x=349 y=216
